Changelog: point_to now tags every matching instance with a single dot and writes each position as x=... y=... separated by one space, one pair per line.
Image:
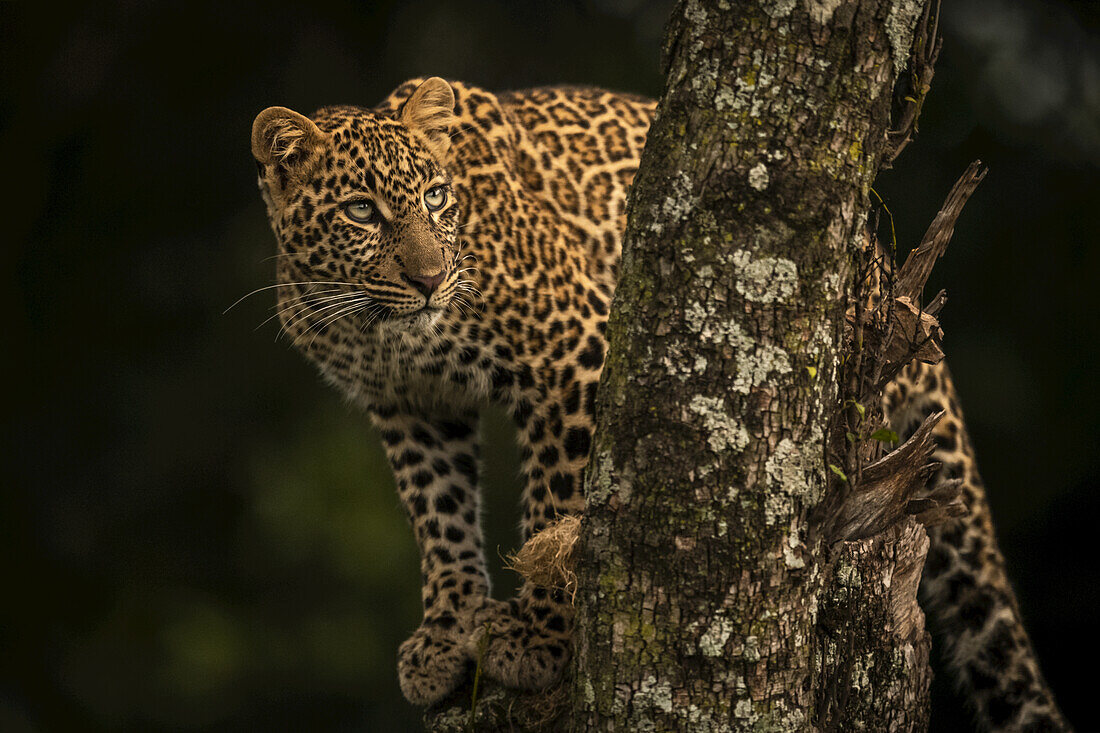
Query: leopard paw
x=432 y=663
x=519 y=651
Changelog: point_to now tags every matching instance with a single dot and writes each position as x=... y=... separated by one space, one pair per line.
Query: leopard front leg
x=531 y=642
x=434 y=460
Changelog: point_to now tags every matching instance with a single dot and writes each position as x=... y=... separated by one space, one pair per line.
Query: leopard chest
x=413 y=370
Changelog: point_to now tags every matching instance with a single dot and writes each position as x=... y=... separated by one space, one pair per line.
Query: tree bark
x=709 y=597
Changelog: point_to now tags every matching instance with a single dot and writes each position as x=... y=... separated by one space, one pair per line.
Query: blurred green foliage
x=202 y=536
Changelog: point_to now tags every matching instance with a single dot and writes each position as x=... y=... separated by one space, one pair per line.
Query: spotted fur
x=501 y=295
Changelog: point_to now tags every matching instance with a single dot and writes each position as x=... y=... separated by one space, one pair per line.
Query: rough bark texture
x=701 y=579
x=872 y=646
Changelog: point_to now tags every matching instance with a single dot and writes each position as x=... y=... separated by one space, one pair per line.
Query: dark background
x=199 y=535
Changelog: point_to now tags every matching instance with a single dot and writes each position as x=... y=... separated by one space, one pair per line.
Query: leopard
x=452 y=248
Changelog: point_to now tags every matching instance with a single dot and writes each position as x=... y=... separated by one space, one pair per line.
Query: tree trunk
x=708 y=597
x=716 y=588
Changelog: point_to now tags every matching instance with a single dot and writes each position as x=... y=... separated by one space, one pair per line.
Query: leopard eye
x=361 y=211
x=434 y=198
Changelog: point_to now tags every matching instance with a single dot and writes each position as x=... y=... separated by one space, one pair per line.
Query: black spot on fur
x=451 y=430
x=423 y=437
x=578 y=441
x=597 y=303
x=975 y=610
x=573 y=399
x=466 y=465
x=522 y=412
x=590 y=397
x=980 y=680
x=548 y=456
x=561 y=484
x=444 y=504
x=536 y=431
x=592 y=356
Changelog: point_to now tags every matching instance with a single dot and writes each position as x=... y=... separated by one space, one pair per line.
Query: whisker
x=373 y=315
x=463 y=307
x=321 y=323
x=347 y=310
x=476 y=313
x=304 y=303
x=282 y=254
x=305 y=313
x=468 y=289
x=316 y=297
x=372 y=310
x=307 y=296
x=287 y=285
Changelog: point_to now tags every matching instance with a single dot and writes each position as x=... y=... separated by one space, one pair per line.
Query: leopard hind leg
x=964 y=587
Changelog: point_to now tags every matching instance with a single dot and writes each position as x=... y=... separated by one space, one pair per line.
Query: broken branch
x=918 y=265
x=888 y=490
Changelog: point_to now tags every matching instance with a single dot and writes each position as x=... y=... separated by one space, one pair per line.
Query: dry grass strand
x=548 y=559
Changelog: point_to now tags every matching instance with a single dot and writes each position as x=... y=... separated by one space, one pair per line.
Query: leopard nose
x=426 y=284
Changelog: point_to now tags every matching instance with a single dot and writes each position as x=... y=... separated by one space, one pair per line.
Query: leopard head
x=364 y=213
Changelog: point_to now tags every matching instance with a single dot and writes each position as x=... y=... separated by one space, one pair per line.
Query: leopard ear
x=430 y=112
x=285 y=139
